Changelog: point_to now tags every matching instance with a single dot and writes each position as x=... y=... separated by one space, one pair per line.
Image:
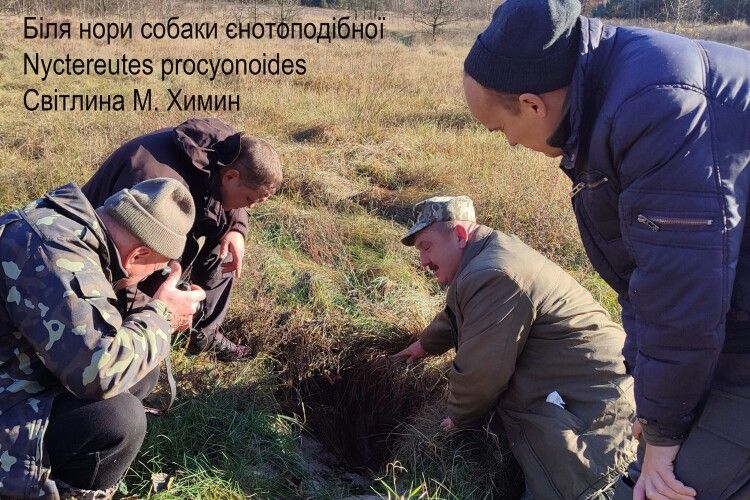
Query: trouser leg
x=207 y=273
x=91 y=444
x=715 y=457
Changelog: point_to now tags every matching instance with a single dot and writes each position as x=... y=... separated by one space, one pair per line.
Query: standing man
x=532 y=344
x=654 y=131
x=74 y=365
x=226 y=173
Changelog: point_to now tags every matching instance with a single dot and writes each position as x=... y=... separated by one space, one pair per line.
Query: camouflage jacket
x=61 y=328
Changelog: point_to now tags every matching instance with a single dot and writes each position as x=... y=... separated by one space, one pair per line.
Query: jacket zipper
x=653 y=223
x=587 y=185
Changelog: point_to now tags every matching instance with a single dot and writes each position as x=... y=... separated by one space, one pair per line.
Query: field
x=328 y=292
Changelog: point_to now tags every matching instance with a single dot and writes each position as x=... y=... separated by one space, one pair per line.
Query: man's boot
x=222 y=347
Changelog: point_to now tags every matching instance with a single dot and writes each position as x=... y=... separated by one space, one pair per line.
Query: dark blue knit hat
x=529 y=46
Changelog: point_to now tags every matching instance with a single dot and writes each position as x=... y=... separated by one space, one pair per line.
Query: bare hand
x=232 y=243
x=447 y=424
x=412 y=353
x=182 y=304
x=657 y=480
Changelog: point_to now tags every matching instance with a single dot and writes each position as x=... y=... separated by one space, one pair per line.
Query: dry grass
x=328 y=290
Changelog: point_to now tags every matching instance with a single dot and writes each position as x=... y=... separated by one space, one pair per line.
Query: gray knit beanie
x=529 y=46
x=158 y=212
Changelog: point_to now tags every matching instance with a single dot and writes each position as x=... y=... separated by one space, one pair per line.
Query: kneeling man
x=74 y=361
x=532 y=344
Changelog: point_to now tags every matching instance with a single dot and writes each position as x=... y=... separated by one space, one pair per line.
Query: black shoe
x=222 y=347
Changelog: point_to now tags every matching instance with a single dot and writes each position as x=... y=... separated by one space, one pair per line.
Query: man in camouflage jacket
x=68 y=351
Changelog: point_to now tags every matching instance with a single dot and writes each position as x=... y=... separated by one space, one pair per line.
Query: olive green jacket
x=523 y=329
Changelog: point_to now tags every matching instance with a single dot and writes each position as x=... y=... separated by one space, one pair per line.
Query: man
x=226 y=172
x=73 y=364
x=532 y=344
x=654 y=130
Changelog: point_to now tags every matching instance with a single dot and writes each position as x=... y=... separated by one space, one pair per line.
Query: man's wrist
x=162 y=310
x=659 y=435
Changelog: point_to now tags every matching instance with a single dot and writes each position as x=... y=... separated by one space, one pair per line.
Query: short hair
x=444 y=227
x=258 y=163
x=506 y=100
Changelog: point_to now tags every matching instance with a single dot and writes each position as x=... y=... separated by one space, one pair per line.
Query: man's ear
x=462 y=234
x=533 y=103
x=231 y=175
x=136 y=256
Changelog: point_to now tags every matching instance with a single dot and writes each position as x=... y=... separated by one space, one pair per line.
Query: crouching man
x=73 y=364
x=530 y=343
x=226 y=173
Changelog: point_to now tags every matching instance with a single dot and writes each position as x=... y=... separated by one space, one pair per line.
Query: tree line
x=433 y=14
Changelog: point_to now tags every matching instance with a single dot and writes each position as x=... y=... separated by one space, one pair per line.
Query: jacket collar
x=71 y=202
x=479 y=241
x=112 y=261
x=203 y=141
x=591 y=36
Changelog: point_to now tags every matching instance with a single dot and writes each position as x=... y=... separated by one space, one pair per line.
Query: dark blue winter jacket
x=659 y=155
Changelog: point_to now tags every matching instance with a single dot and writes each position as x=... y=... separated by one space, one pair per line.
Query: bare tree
x=287 y=10
x=354 y=7
x=372 y=7
x=435 y=14
x=249 y=7
x=679 y=11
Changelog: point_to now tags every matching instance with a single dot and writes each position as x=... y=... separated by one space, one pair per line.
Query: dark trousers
x=206 y=273
x=715 y=457
x=91 y=444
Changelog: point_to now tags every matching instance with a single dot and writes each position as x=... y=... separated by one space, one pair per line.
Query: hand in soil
x=447 y=424
x=412 y=353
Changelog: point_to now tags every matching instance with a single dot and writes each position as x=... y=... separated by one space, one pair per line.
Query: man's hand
x=637 y=429
x=234 y=243
x=657 y=480
x=447 y=424
x=412 y=353
x=182 y=304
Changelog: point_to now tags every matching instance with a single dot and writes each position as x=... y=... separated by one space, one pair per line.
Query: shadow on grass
x=446 y=120
x=394 y=205
x=222 y=444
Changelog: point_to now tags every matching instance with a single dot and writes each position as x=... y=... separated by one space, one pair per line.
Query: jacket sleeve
x=677 y=222
x=239 y=221
x=62 y=303
x=438 y=336
x=630 y=349
x=497 y=317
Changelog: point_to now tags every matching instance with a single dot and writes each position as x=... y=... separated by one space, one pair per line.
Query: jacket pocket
x=98 y=293
x=89 y=285
x=598 y=198
x=547 y=444
x=715 y=458
x=689 y=220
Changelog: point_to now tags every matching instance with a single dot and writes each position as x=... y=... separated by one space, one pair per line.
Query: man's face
x=530 y=127
x=234 y=194
x=441 y=251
